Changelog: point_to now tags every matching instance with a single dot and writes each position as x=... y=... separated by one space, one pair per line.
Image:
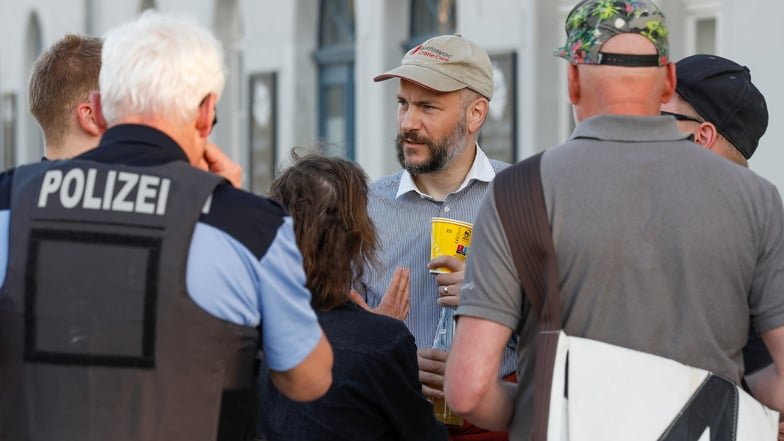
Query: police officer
x=137 y=288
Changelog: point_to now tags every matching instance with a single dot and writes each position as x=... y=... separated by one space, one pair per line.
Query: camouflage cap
x=592 y=22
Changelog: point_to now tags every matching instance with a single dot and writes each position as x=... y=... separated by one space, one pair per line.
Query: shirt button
x=446 y=209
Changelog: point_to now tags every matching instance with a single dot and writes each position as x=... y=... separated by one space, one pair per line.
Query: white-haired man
x=138 y=289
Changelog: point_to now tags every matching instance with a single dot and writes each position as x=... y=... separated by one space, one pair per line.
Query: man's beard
x=442 y=151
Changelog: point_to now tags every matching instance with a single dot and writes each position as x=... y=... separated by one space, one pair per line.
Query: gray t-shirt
x=662 y=247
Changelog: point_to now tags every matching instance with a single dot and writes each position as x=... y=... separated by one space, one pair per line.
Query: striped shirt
x=402 y=214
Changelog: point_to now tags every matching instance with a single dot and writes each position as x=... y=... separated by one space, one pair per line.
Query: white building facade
x=300 y=71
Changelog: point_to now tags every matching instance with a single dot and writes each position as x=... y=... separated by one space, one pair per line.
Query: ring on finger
x=446 y=290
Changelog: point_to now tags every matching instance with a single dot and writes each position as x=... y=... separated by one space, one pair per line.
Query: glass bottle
x=445 y=332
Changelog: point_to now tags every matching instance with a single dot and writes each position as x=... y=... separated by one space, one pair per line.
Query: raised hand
x=396 y=301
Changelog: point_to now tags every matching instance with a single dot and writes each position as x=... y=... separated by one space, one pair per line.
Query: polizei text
x=122 y=191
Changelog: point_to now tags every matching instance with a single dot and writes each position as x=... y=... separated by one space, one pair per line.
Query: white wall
x=54 y=20
x=381 y=26
x=281 y=38
x=750 y=38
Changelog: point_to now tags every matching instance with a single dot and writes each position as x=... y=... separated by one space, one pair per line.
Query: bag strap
x=521 y=208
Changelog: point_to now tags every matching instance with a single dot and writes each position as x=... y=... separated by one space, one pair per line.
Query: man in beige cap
x=445 y=86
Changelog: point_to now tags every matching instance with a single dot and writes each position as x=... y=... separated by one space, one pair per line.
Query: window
x=30 y=134
x=263 y=114
x=430 y=18
x=146 y=4
x=705 y=42
x=89 y=17
x=701 y=26
x=335 y=59
x=498 y=136
x=9 y=117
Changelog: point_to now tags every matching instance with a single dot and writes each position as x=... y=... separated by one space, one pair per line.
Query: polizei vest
x=99 y=339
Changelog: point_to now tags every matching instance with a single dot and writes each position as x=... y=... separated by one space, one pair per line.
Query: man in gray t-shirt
x=661 y=246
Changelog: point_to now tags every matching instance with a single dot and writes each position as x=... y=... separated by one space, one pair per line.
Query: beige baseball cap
x=446 y=63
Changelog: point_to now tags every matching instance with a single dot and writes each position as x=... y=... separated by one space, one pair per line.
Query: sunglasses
x=682 y=117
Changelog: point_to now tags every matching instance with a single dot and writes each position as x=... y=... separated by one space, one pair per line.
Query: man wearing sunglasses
x=717 y=102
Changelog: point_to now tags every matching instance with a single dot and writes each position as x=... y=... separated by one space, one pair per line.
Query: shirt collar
x=481 y=170
x=629 y=128
x=135 y=144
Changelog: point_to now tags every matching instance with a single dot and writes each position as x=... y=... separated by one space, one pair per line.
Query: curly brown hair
x=327 y=199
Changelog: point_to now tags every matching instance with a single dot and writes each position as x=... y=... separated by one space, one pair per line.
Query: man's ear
x=671 y=79
x=706 y=135
x=573 y=83
x=206 y=115
x=86 y=119
x=97 y=112
x=477 y=112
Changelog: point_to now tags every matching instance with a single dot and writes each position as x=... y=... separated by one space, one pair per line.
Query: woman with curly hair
x=376 y=393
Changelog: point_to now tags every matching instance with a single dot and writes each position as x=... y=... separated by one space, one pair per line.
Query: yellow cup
x=449 y=238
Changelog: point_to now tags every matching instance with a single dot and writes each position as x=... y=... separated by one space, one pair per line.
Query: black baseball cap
x=720 y=90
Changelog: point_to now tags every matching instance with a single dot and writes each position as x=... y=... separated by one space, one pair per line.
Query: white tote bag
x=603 y=392
x=598 y=391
